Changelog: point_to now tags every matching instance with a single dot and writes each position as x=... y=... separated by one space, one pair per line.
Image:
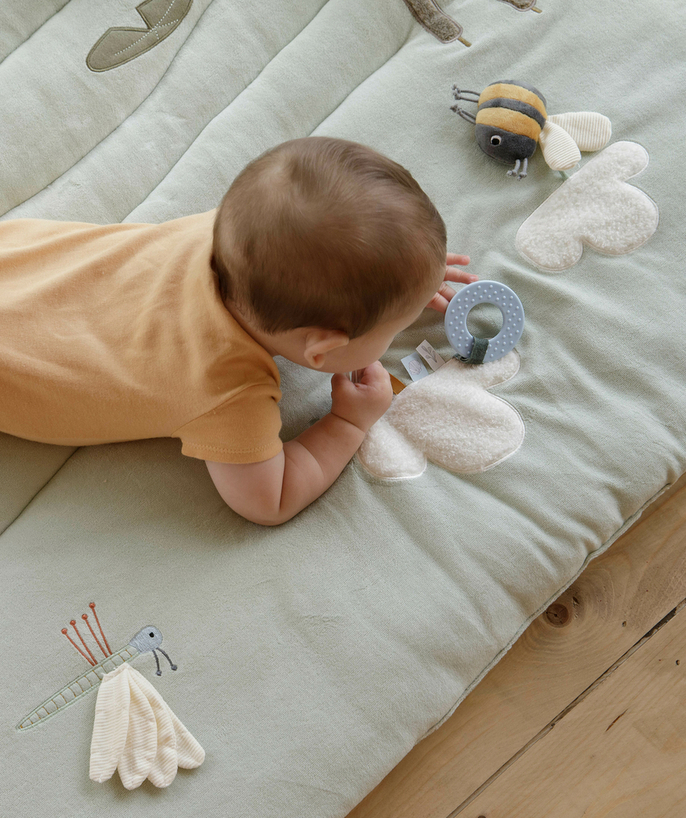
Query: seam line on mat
x=142 y=102
x=332 y=111
x=100 y=141
x=29 y=502
x=35 y=31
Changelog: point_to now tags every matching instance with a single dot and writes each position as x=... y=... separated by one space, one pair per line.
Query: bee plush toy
x=511 y=119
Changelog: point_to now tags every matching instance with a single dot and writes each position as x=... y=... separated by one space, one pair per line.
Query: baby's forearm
x=269 y=492
x=314 y=459
x=272 y=491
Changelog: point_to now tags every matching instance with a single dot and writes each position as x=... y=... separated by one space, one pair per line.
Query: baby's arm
x=273 y=491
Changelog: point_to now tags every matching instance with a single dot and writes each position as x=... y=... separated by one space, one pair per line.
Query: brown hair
x=325 y=233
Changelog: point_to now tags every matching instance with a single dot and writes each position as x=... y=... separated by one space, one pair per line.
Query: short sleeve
x=243 y=429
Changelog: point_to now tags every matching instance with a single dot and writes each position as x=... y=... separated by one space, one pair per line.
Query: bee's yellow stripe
x=508 y=120
x=502 y=89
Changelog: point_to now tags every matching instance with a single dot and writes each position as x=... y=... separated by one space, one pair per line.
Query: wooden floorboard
x=619 y=751
x=620 y=604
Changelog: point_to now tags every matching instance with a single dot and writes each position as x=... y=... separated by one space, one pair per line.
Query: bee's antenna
x=464 y=114
x=90 y=661
x=465 y=96
x=461 y=93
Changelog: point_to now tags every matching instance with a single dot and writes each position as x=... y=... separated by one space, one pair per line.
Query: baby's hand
x=442 y=298
x=362 y=403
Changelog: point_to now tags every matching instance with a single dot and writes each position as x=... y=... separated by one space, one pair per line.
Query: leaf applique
x=120 y=45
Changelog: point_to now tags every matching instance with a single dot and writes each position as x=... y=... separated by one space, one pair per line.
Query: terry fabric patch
x=435 y=21
x=448 y=418
x=594 y=207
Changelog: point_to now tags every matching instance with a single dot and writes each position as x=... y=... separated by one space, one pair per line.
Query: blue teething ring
x=484 y=292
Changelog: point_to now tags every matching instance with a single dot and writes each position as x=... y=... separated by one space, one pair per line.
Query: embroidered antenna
x=88 y=658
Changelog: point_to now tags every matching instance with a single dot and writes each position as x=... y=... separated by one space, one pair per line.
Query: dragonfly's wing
x=589 y=130
x=191 y=754
x=111 y=725
x=136 y=731
x=187 y=751
x=141 y=740
x=166 y=761
x=559 y=149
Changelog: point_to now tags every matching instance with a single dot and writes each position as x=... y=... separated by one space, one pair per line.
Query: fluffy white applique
x=448 y=418
x=595 y=207
x=136 y=732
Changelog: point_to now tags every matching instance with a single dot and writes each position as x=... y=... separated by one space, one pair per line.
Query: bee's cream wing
x=589 y=130
x=559 y=149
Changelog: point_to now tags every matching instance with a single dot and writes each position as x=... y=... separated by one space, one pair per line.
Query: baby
x=321 y=251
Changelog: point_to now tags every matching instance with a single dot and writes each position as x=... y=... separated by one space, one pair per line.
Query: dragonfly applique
x=135 y=730
x=147 y=640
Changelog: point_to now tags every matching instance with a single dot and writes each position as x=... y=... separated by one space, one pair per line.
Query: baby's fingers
x=442 y=298
x=454 y=258
x=454 y=274
x=374 y=374
x=341 y=384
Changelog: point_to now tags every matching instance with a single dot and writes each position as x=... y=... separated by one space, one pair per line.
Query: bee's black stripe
x=515 y=105
x=521 y=85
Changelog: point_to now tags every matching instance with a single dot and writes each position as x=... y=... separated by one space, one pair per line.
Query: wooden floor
x=586 y=715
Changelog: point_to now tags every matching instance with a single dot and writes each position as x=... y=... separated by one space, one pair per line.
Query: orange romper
x=118 y=332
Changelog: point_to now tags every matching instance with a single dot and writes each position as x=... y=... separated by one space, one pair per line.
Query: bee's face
x=503 y=145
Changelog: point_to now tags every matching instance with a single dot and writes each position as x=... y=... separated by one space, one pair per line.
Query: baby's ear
x=319 y=342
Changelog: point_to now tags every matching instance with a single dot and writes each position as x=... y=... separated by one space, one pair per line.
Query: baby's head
x=327 y=249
